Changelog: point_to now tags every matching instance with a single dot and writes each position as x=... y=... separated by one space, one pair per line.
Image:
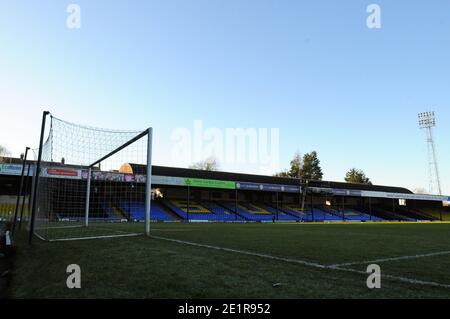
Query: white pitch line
x=96 y=237
x=439 y=253
x=306 y=263
x=398 y=278
x=62 y=227
x=169 y=230
x=249 y=253
x=109 y=229
x=40 y=237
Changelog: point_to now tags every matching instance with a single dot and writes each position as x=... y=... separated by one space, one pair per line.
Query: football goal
x=85 y=187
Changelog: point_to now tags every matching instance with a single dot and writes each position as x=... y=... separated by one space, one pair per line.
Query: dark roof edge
x=240 y=177
x=219 y=175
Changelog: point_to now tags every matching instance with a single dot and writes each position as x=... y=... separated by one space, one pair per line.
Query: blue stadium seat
x=137 y=211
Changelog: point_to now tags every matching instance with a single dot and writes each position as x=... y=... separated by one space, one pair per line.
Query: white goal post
x=84 y=187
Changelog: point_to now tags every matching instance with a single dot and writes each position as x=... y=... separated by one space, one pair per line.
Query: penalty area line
x=305 y=263
x=381 y=260
x=397 y=278
x=96 y=237
x=243 y=252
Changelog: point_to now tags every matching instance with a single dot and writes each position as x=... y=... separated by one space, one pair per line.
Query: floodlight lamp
x=427 y=120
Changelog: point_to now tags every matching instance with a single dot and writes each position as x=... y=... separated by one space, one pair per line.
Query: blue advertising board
x=268 y=187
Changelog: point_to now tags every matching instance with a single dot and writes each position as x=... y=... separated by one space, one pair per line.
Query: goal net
x=86 y=186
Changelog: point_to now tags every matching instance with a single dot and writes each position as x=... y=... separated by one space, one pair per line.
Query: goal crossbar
x=134 y=139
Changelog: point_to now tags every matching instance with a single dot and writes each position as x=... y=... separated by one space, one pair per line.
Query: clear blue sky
x=310 y=68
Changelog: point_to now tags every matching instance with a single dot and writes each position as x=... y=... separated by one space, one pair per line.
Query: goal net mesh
x=87 y=186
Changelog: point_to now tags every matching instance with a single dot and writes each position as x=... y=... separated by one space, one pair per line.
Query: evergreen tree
x=357 y=176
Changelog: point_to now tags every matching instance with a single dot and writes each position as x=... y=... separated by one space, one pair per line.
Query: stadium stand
x=415 y=214
x=279 y=213
x=446 y=214
x=296 y=212
x=319 y=215
x=248 y=211
x=401 y=214
x=195 y=210
x=381 y=213
x=111 y=213
x=350 y=214
x=78 y=215
x=436 y=213
x=136 y=211
x=221 y=212
x=7 y=211
x=207 y=203
x=117 y=212
x=133 y=211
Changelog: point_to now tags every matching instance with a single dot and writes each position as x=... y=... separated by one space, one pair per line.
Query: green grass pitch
x=199 y=260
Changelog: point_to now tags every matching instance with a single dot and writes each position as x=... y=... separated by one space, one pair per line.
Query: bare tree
x=3 y=153
x=210 y=164
x=420 y=190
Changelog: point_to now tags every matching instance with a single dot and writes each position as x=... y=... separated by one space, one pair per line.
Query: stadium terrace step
x=180 y=208
x=227 y=207
x=335 y=213
x=438 y=214
x=396 y=215
x=136 y=211
x=297 y=212
x=418 y=215
x=386 y=215
x=118 y=212
x=193 y=206
x=222 y=213
x=281 y=213
x=167 y=210
x=7 y=211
